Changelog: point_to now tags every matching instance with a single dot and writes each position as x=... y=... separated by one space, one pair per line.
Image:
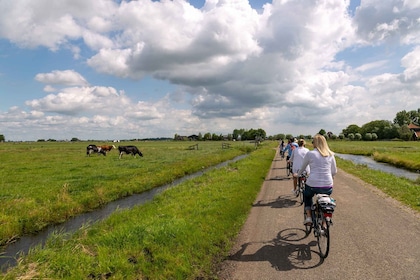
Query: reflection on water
x=371 y=163
x=9 y=253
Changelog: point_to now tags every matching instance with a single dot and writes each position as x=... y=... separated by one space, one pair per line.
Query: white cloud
x=393 y=21
x=66 y=77
x=233 y=67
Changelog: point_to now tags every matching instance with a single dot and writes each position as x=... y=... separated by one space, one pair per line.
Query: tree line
x=383 y=129
x=237 y=135
x=374 y=130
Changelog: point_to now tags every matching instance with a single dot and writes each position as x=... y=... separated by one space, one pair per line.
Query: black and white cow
x=133 y=150
x=94 y=149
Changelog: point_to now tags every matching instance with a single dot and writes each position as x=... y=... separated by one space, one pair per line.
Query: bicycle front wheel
x=301 y=188
x=323 y=237
x=307 y=227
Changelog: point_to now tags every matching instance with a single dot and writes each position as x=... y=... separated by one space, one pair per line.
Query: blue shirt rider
x=291 y=145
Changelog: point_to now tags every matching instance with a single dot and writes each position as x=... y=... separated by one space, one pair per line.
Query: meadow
x=44 y=183
x=184 y=232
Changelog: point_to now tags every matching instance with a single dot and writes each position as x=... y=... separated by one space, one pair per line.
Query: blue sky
x=136 y=69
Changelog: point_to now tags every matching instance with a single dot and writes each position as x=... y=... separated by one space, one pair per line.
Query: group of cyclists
x=318 y=163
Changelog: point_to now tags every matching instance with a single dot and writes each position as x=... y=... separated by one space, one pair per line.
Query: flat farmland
x=44 y=183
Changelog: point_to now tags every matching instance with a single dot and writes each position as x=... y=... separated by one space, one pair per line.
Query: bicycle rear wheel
x=288 y=169
x=323 y=236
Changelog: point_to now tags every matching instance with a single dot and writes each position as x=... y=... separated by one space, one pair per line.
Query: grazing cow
x=107 y=148
x=94 y=149
x=133 y=150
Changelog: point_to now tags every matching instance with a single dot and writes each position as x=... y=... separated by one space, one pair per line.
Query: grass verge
x=181 y=234
x=47 y=183
x=403 y=190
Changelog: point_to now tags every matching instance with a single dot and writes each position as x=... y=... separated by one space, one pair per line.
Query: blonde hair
x=320 y=143
x=301 y=142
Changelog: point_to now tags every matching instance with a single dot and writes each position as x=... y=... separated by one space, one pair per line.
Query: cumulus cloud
x=76 y=100
x=66 y=77
x=228 y=62
x=393 y=21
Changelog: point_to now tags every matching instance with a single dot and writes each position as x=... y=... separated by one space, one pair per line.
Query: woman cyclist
x=323 y=167
x=296 y=159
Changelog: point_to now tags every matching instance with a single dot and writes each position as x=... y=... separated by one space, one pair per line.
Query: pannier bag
x=326 y=202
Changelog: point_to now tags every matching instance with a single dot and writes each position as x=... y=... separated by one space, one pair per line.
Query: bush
x=368 y=136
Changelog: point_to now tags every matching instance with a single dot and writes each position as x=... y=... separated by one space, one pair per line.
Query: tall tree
x=402 y=118
x=353 y=128
x=405 y=118
x=379 y=127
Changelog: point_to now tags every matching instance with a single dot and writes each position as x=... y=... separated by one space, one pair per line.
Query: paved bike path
x=373 y=236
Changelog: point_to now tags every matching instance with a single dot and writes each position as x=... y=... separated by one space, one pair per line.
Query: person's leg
x=307 y=200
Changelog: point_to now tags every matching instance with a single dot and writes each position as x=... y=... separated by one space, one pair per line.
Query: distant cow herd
x=103 y=149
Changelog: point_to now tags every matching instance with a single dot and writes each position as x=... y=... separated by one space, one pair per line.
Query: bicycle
x=301 y=186
x=281 y=155
x=289 y=168
x=322 y=211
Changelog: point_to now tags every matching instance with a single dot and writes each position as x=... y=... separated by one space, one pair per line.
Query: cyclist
x=323 y=168
x=281 y=147
x=291 y=145
x=297 y=159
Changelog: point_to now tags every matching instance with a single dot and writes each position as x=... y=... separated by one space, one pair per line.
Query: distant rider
x=296 y=159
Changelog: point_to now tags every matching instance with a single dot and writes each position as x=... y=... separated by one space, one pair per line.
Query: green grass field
x=183 y=233
x=398 y=153
x=48 y=182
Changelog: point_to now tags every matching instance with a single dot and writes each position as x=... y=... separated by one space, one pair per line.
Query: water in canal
x=371 y=163
x=10 y=253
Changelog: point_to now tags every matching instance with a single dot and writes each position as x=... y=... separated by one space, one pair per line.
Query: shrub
x=368 y=136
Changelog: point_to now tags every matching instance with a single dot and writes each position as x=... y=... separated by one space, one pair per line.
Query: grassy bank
x=181 y=234
x=46 y=183
x=401 y=154
x=404 y=190
x=398 y=153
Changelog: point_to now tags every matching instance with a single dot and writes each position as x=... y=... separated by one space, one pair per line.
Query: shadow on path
x=286 y=252
x=279 y=202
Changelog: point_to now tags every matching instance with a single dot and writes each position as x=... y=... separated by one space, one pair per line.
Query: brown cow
x=107 y=148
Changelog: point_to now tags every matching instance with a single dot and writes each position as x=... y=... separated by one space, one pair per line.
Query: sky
x=107 y=70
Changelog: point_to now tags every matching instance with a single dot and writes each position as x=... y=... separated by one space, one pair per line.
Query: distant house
x=415 y=129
